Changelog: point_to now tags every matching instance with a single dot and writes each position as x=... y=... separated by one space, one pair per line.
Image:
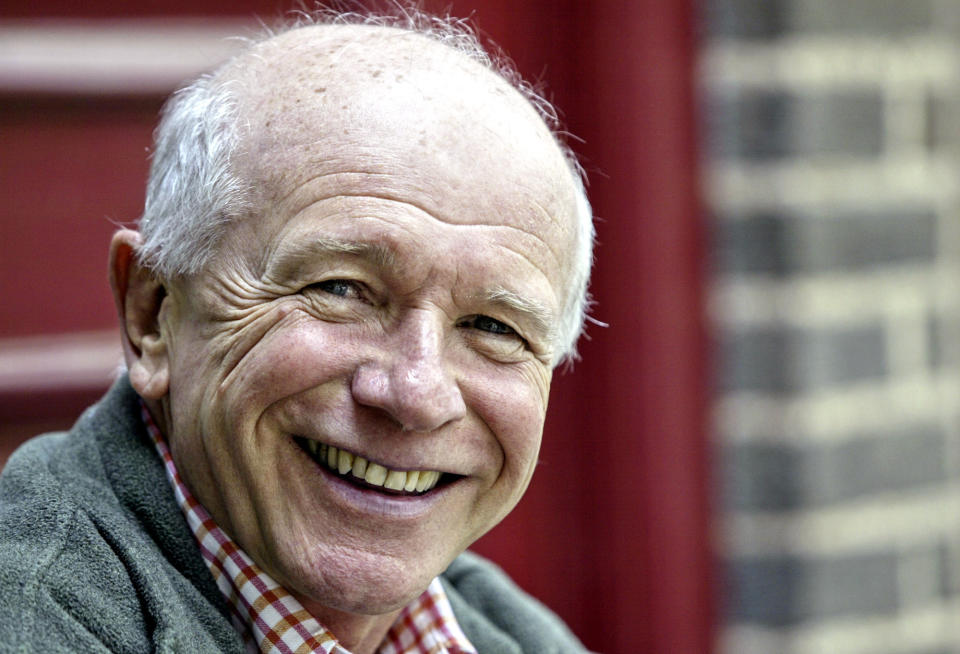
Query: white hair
x=193 y=193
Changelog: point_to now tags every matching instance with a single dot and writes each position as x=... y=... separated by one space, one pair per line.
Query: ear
x=139 y=295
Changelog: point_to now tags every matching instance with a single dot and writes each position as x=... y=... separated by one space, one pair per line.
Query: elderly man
x=362 y=255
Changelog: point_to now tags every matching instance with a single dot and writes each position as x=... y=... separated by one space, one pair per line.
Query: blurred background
x=830 y=133
x=760 y=454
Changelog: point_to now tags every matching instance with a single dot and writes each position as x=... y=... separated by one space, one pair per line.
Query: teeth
x=396 y=480
x=376 y=474
x=359 y=467
x=345 y=462
x=412 y=478
x=428 y=479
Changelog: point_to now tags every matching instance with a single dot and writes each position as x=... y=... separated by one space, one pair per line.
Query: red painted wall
x=613 y=533
x=70 y=172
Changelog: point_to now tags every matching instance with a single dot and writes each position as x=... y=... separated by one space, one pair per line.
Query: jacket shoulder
x=497 y=616
x=48 y=544
x=94 y=554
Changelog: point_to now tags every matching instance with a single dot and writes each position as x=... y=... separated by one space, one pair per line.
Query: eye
x=495 y=338
x=339 y=287
x=488 y=324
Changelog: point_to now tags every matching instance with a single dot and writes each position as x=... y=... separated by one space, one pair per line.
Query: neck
x=358 y=633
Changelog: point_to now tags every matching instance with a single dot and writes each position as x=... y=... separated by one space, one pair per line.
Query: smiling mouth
x=361 y=472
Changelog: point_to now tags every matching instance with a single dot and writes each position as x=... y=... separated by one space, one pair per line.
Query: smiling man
x=363 y=253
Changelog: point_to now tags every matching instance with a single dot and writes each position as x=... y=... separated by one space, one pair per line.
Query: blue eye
x=494 y=338
x=339 y=287
x=488 y=324
x=345 y=288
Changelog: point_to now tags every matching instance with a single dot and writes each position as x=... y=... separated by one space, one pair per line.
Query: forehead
x=378 y=111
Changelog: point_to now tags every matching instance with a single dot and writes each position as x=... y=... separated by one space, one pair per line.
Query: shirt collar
x=271 y=619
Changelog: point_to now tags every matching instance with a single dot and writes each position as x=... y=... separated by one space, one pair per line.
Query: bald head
x=361 y=102
x=365 y=103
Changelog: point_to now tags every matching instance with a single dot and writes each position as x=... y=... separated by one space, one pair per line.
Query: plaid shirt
x=272 y=620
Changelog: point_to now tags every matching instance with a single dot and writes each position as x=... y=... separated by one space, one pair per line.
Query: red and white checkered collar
x=272 y=620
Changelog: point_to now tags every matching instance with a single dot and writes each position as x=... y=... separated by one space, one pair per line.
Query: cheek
x=229 y=404
x=286 y=360
x=514 y=409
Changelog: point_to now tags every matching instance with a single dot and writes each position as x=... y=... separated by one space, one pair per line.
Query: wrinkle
x=553 y=220
x=249 y=341
x=319 y=176
x=301 y=254
x=467 y=226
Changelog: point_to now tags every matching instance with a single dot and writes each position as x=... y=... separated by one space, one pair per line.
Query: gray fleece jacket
x=96 y=556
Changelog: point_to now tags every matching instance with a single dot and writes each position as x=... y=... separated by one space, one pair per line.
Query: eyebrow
x=285 y=259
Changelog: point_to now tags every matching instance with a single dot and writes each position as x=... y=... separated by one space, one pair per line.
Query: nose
x=407 y=378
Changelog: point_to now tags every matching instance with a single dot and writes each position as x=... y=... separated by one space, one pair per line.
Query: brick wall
x=833 y=173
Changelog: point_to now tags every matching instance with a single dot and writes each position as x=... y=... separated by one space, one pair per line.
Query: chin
x=362 y=583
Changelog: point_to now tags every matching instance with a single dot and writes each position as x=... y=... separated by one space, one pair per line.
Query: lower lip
x=371 y=501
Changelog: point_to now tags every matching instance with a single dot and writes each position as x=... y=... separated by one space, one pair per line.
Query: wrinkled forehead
x=383 y=108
